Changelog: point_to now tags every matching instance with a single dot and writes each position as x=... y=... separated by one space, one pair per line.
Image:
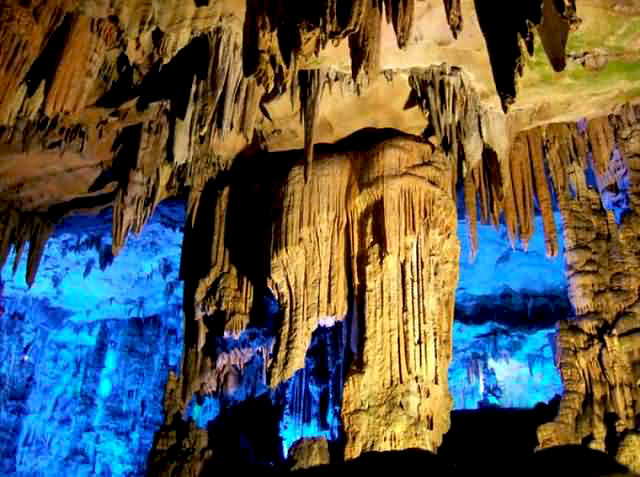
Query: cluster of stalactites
x=453 y=110
x=279 y=34
x=59 y=62
x=507 y=34
x=19 y=228
x=547 y=167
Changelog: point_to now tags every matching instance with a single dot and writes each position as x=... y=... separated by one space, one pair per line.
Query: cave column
x=406 y=269
x=598 y=352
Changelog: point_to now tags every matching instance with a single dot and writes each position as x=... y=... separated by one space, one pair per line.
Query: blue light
x=84 y=354
x=205 y=412
x=313 y=396
x=507 y=304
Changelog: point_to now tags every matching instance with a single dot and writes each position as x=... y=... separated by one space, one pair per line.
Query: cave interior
x=278 y=236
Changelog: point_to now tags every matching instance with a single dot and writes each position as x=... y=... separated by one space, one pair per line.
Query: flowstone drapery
x=369 y=236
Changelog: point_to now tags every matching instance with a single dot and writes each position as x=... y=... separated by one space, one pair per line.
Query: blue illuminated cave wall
x=312 y=398
x=85 y=353
x=507 y=304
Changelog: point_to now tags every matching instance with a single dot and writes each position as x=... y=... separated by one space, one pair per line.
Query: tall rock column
x=369 y=236
x=406 y=271
x=598 y=353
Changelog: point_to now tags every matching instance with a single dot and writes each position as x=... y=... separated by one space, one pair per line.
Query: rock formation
x=597 y=351
x=379 y=221
x=315 y=199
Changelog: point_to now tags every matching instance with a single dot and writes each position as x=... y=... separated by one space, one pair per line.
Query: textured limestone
x=374 y=225
x=307 y=453
x=127 y=102
x=597 y=352
x=91 y=90
x=629 y=452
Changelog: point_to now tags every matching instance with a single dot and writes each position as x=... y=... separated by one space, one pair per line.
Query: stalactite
x=601 y=138
x=400 y=13
x=510 y=215
x=536 y=152
x=364 y=44
x=41 y=230
x=480 y=181
x=522 y=188
x=453 y=110
x=309 y=244
x=135 y=202
x=554 y=31
x=454 y=16
x=504 y=35
x=79 y=64
x=471 y=214
x=24 y=34
x=311 y=86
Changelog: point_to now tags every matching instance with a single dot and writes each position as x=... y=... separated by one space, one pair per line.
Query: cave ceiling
x=127 y=102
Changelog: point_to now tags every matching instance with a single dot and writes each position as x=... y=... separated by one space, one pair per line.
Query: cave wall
x=87 y=349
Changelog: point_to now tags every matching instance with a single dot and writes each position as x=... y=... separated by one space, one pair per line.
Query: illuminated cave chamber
x=336 y=159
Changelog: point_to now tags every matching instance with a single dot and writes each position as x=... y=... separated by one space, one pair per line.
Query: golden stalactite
x=136 y=201
x=602 y=141
x=83 y=55
x=471 y=214
x=23 y=34
x=510 y=215
x=364 y=44
x=311 y=84
x=536 y=151
x=520 y=169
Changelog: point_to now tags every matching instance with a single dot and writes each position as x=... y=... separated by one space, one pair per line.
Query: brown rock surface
x=307 y=453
